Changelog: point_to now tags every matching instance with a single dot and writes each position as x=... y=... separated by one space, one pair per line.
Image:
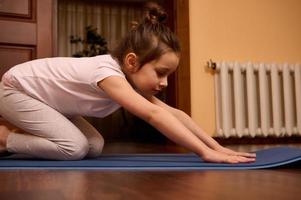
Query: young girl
x=47 y=97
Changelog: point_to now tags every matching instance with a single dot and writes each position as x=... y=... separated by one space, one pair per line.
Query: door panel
x=19 y=53
x=16 y=32
x=18 y=9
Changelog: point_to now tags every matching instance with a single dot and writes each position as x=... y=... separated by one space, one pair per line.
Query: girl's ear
x=131 y=62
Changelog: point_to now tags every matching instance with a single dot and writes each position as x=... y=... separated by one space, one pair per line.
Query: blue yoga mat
x=267 y=158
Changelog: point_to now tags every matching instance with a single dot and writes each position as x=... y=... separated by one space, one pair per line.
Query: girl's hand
x=220 y=157
x=235 y=153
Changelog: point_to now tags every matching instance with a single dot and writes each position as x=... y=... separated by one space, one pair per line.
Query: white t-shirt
x=68 y=85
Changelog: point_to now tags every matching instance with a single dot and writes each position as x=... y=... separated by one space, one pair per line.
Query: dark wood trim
x=183 y=96
x=16 y=44
x=178 y=91
x=171 y=91
x=55 y=28
x=44 y=28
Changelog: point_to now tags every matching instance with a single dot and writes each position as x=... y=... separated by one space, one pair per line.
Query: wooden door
x=26 y=32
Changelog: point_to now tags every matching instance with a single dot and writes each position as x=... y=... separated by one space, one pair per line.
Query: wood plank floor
x=207 y=185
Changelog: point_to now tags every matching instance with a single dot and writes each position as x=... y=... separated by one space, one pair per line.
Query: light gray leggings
x=52 y=135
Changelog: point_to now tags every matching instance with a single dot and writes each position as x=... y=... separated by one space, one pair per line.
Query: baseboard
x=259 y=140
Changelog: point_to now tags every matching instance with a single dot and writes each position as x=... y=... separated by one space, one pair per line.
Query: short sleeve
x=103 y=72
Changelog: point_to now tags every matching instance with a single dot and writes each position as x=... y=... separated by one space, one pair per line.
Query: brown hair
x=150 y=39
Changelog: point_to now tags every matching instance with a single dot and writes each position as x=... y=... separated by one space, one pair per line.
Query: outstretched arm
x=122 y=92
x=194 y=128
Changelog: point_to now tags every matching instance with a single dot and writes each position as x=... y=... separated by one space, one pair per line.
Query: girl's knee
x=77 y=150
x=96 y=145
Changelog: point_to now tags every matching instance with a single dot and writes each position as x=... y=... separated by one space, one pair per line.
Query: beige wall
x=243 y=30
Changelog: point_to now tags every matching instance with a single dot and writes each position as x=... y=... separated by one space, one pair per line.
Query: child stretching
x=47 y=97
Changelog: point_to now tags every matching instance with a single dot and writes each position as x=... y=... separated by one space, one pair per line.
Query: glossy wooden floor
x=206 y=185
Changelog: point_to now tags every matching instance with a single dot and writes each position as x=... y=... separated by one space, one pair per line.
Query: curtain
x=112 y=21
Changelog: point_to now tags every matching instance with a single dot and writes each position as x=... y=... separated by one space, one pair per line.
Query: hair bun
x=154 y=13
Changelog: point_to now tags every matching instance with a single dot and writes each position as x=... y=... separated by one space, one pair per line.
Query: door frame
x=182 y=89
x=178 y=93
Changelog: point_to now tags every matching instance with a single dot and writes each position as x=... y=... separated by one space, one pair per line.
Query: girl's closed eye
x=161 y=72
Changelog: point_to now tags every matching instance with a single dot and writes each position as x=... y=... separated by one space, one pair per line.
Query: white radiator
x=257 y=99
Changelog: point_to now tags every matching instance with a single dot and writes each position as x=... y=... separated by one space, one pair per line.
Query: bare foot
x=4 y=132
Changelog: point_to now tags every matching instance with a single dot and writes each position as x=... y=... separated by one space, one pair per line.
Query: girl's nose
x=163 y=83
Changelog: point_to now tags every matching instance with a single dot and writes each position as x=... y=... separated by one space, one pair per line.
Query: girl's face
x=151 y=78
